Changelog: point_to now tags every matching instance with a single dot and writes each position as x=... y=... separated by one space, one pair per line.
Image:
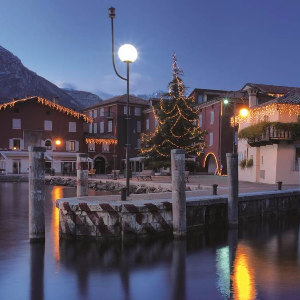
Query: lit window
x=48 y=145
x=16 y=144
x=147 y=124
x=138 y=126
x=101 y=127
x=92 y=147
x=72 y=126
x=48 y=125
x=212 y=117
x=211 y=139
x=200 y=120
x=16 y=124
x=101 y=112
x=95 y=127
x=105 y=147
x=72 y=145
x=137 y=111
x=95 y=113
x=109 y=126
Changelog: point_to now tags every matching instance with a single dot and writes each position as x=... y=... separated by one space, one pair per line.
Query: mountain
x=104 y=96
x=156 y=94
x=16 y=81
x=84 y=98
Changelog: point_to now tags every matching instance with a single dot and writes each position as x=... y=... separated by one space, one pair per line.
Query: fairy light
x=101 y=141
x=216 y=160
x=50 y=104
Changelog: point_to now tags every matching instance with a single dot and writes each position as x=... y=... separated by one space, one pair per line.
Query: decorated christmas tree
x=177 y=126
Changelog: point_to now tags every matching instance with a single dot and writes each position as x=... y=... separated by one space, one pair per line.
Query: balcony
x=267 y=133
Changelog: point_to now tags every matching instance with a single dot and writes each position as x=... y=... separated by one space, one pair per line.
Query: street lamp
x=128 y=54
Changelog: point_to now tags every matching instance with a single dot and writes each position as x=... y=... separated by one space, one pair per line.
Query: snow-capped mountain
x=156 y=94
x=86 y=99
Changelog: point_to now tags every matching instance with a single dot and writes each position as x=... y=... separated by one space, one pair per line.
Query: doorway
x=99 y=165
x=16 y=167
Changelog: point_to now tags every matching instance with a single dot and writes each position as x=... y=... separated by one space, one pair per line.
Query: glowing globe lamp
x=225 y=101
x=127 y=53
x=244 y=112
x=57 y=142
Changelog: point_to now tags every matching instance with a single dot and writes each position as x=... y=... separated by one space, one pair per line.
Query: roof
x=49 y=104
x=120 y=99
x=292 y=97
x=272 y=89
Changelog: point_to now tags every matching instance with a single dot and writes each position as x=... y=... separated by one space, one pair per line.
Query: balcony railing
x=109 y=115
x=271 y=135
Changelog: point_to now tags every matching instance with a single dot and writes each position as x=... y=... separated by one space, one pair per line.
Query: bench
x=145 y=174
x=92 y=172
x=186 y=175
x=115 y=174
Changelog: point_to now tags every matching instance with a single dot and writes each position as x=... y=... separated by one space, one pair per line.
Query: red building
x=106 y=137
x=40 y=122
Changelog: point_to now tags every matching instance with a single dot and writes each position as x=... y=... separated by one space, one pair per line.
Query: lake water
x=259 y=261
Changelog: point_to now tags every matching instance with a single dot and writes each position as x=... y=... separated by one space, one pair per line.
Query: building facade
x=269 y=144
x=39 y=122
x=106 y=137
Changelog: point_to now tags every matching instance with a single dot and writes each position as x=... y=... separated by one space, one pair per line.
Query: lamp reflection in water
x=57 y=193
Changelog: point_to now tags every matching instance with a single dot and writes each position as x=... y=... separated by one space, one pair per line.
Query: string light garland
x=177 y=125
x=50 y=104
x=101 y=141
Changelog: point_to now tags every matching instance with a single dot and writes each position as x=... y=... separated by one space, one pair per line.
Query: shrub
x=249 y=163
x=243 y=163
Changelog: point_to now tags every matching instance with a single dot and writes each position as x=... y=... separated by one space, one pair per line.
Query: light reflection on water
x=260 y=260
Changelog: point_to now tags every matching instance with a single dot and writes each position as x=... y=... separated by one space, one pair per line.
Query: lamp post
x=128 y=54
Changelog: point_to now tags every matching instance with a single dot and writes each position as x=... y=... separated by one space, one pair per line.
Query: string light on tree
x=177 y=125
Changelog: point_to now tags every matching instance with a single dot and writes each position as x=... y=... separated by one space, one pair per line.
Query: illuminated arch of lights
x=217 y=163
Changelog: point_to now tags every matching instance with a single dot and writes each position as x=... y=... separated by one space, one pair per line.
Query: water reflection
x=57 y=193
x=37 y=253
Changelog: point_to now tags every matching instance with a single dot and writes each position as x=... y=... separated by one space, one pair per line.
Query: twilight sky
x=219 y=44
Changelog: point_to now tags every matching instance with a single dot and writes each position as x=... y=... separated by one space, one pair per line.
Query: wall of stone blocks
x=82 y=218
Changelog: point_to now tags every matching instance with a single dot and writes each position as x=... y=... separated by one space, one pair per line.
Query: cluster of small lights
x=175 y=115
x=259 y=114
x=101 y=141
x=50 y=104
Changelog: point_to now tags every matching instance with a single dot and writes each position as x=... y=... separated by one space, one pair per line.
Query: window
x=262 y=160
x=138 y=144
x=48 y=125
x=90 y=128
x=211 y=139
x=125 y=110
x=101 y=127
x=95 y=127
x=72 y=126
x=105 y=147
x=296 y=159
x=109 y=126
x=90 y=113
x=200 y=99
x=48 y=144
x=212 y=117
x=95 y=113
x=102 y=112
x=16 y=124
x=138 y=126
x=147 y=124
x=71 y=145
x=91 y=147
x=137 y=111
x=200 y=120
x=266 y=119
x=16 y=144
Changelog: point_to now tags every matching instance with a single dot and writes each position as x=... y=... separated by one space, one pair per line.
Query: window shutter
x=67 y=146
x=42 y=143
x=76 y=146
x=53 y=145
x=11 y=143
x=21 y=144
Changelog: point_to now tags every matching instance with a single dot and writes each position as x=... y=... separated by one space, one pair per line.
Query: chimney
x=55 y=100
x=252 y=97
